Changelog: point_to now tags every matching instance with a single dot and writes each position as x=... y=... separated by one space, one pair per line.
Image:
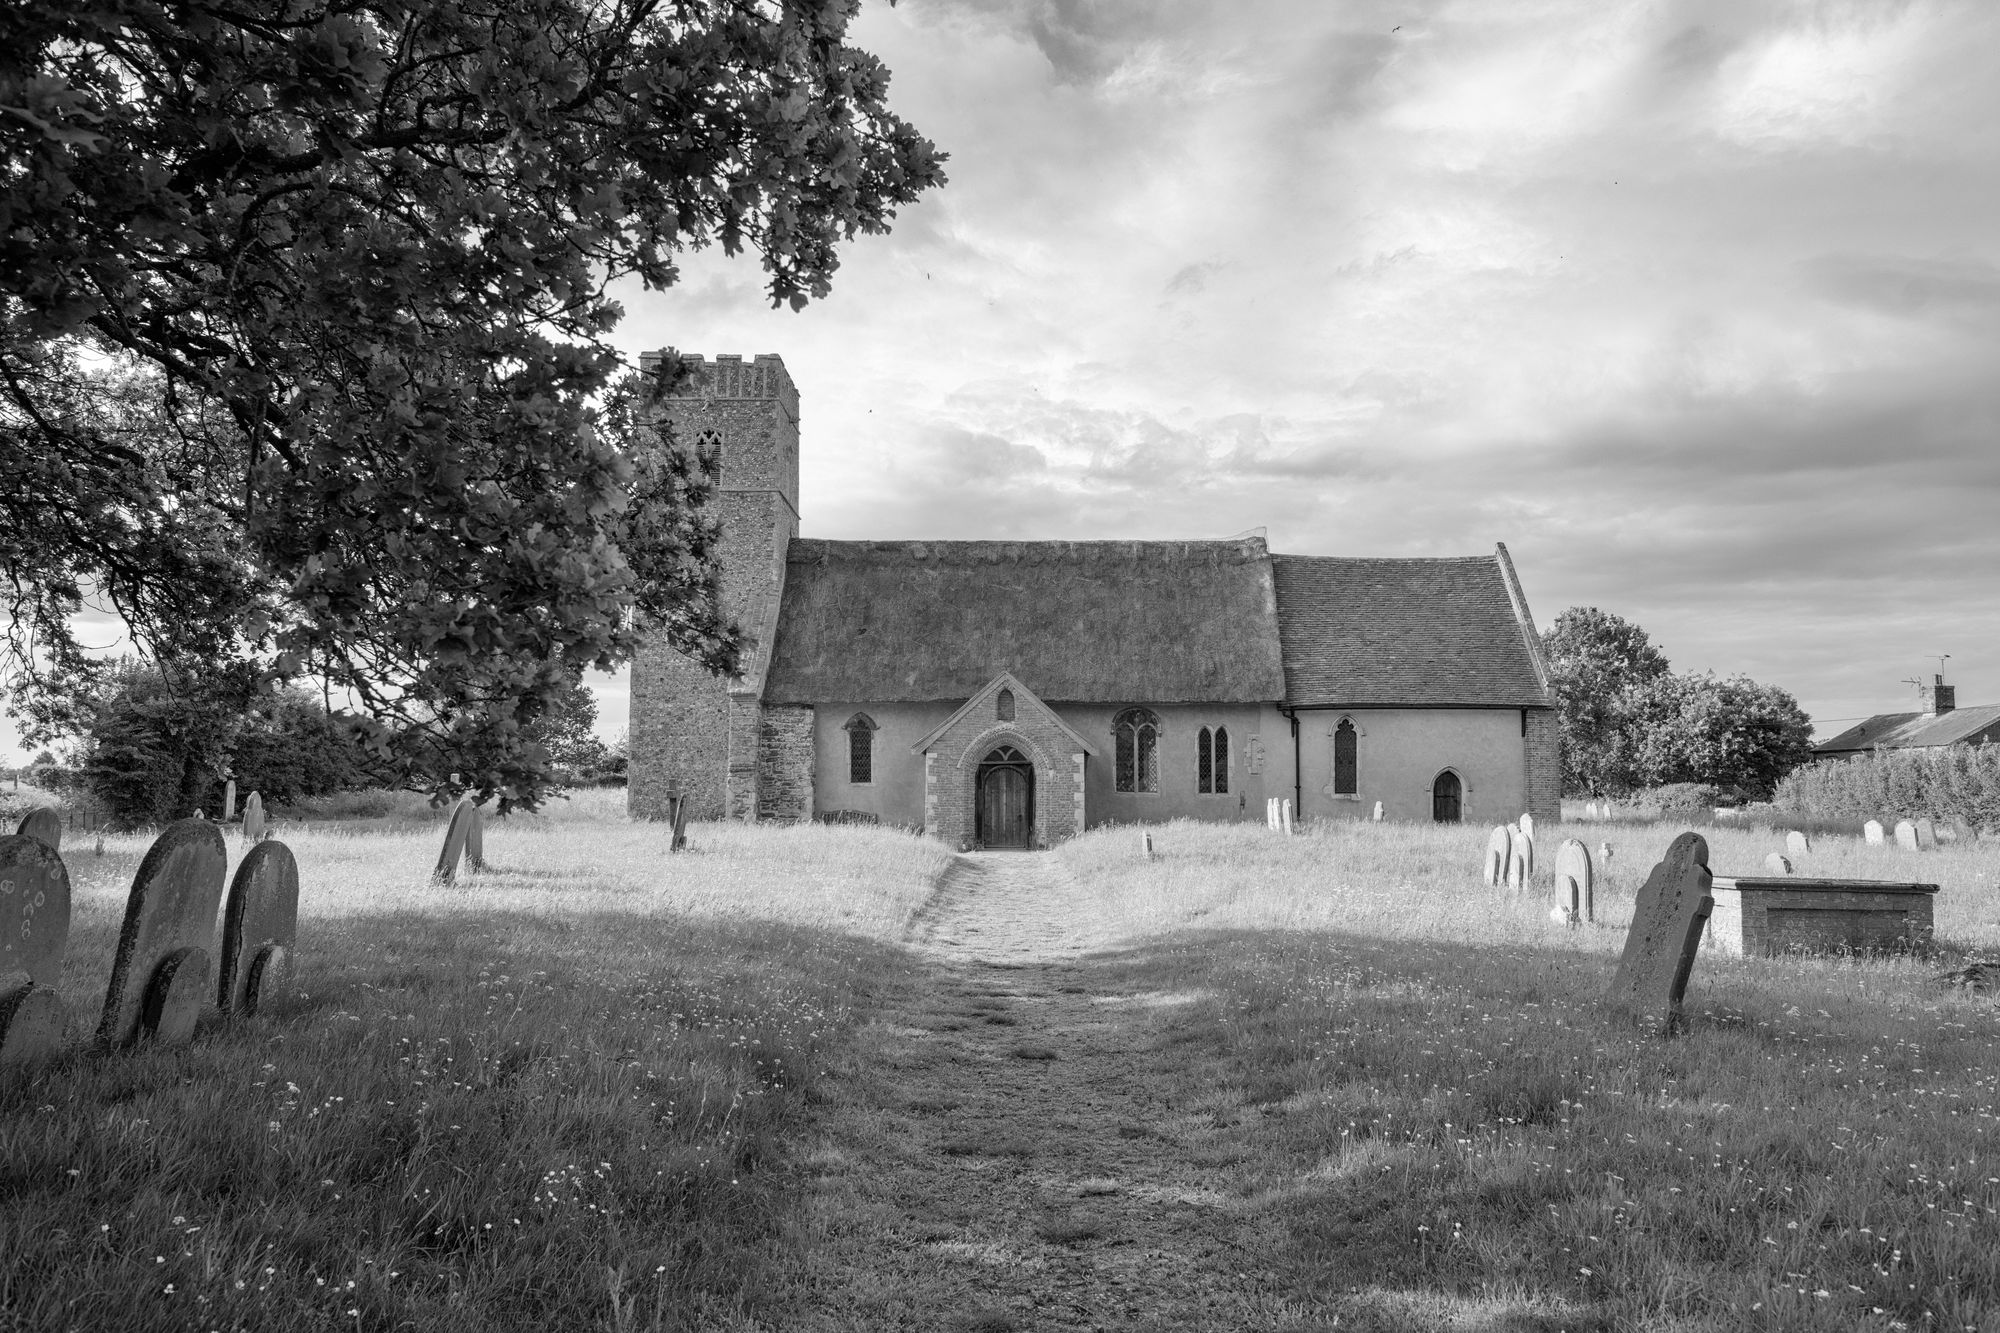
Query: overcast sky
x=1695 y=306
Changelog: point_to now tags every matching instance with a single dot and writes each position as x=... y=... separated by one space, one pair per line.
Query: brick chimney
x=1937 y=697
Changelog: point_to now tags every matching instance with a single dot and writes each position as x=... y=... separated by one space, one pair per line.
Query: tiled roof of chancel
x=1452 y=632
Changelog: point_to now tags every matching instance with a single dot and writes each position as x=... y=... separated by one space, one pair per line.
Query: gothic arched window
x=1345 y=766
x=1211 y=750
x=1137 y=762
x=861 y=748
x=1003 y=705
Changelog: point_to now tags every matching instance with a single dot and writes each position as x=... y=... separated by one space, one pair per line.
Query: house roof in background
x=1407 y=632
x=1166 y=622
x=1907 y=731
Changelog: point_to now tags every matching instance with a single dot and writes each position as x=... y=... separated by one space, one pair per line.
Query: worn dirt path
x=1015 y=1150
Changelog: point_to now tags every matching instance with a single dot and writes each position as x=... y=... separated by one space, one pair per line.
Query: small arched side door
x=1447 y=798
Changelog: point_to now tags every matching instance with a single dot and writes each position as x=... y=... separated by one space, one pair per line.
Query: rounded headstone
x=262 y=911
x=32 y=1020
x=270 y=975
x=34 y=912
x=174 y=996
x=1499 y=847
x=1777 y=863
x=1797 y=843
x=1906 y=835
x=172 y=907
x=1528 y=825
x=254 y=824
x=1926 y=835
x=44 y=826
x=1872 y=832
x=457 y=831
x=1576 y=883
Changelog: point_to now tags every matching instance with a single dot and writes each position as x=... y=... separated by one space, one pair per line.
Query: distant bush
x=1676 y=800
x=1957 y=782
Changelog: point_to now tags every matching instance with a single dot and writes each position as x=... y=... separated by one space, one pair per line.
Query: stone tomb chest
x=1762 y=917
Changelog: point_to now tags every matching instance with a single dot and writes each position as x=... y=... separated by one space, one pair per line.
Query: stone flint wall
x=785 y=763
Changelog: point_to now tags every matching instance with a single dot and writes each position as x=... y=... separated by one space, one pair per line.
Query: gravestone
x=1146 y=843
x=1667 y=919
x=1604 y=853
x=1608 y=810
x=1520 y=858
x=680 y=820
x=161 y=974
x=1590 y=810
x=260 y=927
x=1797 y=843
x=1499 y=850
x=254 y=826
x=1285 y=816
x=1906 y=835
x=1271 y=814
x=1777 y=863
x=475 y=842
x=44 y=826
x=228 y=800
x=1576 y=885
x=1956 y=830
x=1871 y=832
x=1528 y=826
x=458 y=832
x=1378 y=812
x=34 y=933
x=1926 y=835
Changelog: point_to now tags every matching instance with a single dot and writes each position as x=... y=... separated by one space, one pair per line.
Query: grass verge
x=556 y=1095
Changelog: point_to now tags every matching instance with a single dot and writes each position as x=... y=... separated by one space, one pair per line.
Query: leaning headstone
x=1576 y=886
x=1378 y=812
x=44 y=826
x=34 y=933
x=680 y=813
x=475 y=842
x=254 y=826
x=1285 y=816
x=1499 y=850
x=1777 y=863
x=1871 y=832
x=1667 y=919
x=457 y=833
x=1528 y=825
x=161 y=974
x=1906 y=835
x=228 y=800
x=260 y=927
x=1797 y=843
x=1926 y=835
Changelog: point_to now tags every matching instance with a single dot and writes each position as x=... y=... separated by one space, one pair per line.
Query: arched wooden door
x=1004 y=803
x=1446 y=807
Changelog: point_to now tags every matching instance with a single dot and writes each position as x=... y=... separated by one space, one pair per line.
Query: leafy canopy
x=303 y=309
x=1627 y=721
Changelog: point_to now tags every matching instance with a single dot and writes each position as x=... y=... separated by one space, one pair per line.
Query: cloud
x=1692 y=304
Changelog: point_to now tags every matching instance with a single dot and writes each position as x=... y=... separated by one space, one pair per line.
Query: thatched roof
x=1076 y=622
x=1407 y=632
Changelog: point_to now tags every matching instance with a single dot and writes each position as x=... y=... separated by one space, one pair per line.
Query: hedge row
x=1955 y=782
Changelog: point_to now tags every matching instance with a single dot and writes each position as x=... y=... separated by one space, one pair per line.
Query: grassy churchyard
x=834 y=1077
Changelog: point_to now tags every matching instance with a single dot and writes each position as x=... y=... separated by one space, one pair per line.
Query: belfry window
x=1212 y=761
x=1345 y=766
x=1003 y=705
x=861 y=748
x=1136 y=765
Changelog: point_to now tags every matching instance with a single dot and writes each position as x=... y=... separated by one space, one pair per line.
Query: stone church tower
x=690 y=728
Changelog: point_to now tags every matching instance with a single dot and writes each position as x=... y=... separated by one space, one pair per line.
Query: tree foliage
x=303 y=320
x=1628 y=721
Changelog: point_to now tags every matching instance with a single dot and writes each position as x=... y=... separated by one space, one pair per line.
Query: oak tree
x=304 y=308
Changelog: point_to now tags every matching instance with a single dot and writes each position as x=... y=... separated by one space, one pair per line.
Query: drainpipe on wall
x=1298 y=773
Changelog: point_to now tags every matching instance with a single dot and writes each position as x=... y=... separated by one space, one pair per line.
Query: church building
x=1014 y=693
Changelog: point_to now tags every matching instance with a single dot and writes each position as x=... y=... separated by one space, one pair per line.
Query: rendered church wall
x=1400 y=752
x=1177 y=798
x=895 y=795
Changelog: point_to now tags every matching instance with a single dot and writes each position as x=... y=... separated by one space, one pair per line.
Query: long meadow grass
x=1410 y=1069
x=551 y=1095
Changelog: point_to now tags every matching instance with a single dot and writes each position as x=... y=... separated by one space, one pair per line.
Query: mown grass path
x=1012 y=1151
